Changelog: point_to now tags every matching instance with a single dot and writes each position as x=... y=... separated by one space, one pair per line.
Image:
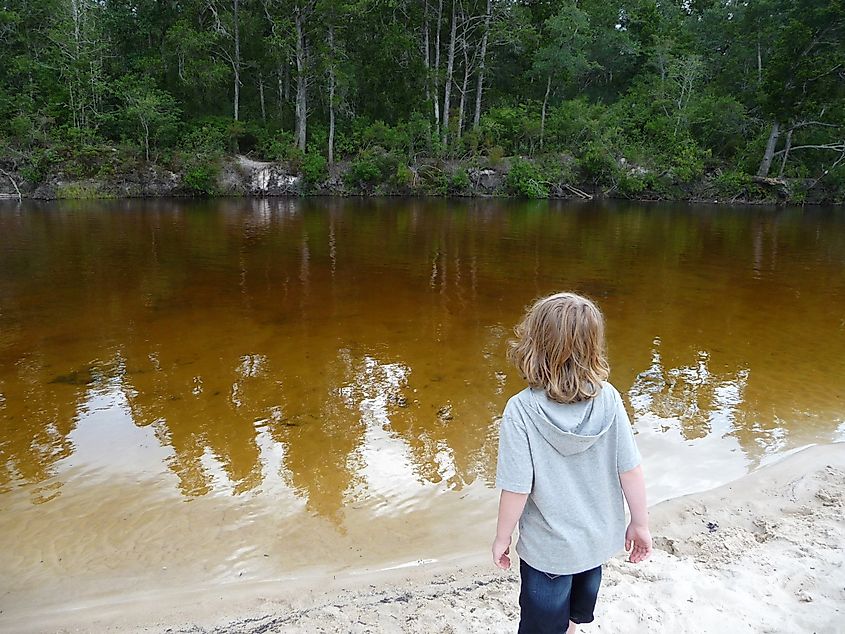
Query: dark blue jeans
x=548 y=602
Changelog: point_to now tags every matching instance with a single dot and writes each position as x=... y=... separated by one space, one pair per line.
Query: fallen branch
x=14 y=184
x=578 y=192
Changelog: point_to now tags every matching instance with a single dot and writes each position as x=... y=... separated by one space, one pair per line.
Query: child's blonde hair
x=560 y=347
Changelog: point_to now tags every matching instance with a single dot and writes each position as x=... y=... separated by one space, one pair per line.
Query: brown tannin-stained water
x=195 y=394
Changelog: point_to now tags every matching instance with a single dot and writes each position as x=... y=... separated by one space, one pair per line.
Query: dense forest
x=637 y=98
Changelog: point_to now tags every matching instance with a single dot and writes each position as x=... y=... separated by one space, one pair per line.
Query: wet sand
x=762 y=554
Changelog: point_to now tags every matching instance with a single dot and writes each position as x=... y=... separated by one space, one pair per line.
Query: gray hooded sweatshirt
x=568 y=458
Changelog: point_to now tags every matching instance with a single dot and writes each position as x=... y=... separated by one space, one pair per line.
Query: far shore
x=761 y=554
x=241 y=176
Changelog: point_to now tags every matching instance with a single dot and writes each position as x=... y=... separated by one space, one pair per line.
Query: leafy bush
x=526 y=180
x=687 y=160
x=200 y=180
x=434 y=180
x=38 y=165
x=631 y=184
x=572 y=123
x=719 y=124
x=278 y=147
x=314 y=168
x=732 y=182
x=597 y=163
x=495 y=155
x=206 y=138
x=403 y=177
x=79 y=191
x=459 y=183
x=370 y=168
x=505 y=126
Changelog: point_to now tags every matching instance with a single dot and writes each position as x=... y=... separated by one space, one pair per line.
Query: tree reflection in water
x=352 y=353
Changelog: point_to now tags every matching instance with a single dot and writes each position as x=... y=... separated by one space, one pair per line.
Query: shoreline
x=760 y=554
x=241 y=176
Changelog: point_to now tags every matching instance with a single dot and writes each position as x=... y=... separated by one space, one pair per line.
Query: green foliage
x=687 y=160
x=200 y=180
x=525 y=179
x=495 y=155
x=435 y=182
x=39 y=163
x=732 y=183
x=572 y=124
x=314 y=168
x=207 y=138
x=459 y=183
x=79 y=191
x=369 y=168
x=598 y=164
x=631 y=184
x=672 y=87
x=404 y=177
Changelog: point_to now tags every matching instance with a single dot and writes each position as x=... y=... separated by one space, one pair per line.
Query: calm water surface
x=209 y=392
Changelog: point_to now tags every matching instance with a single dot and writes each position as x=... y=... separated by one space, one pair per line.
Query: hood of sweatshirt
x=570 y=427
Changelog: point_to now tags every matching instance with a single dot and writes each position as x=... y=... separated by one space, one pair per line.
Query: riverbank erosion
x=553 y=177
x=762 y=554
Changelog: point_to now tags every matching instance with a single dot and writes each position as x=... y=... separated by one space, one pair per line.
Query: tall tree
x=561 y=58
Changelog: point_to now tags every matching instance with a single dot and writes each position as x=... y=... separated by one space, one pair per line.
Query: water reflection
x=692 y=397
x=352 y=353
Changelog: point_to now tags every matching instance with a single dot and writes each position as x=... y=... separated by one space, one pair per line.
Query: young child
x=566 y=457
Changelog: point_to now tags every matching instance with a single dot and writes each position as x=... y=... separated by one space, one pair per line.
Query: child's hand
x=638 y=542
x=501 y=548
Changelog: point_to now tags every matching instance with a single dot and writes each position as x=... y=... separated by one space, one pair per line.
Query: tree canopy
x=677 y=88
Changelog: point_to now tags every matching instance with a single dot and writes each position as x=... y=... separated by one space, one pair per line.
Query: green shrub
x=631 y=184
x=434 y=180
x=39 y=165
x=21 y=128
x=495 y=155
x=571 y=124
x=278 y=147
x=526 y=180
x=459 y=183
x=200 y=180
x=314 y=168
x=597 y=163
x=370 y=168
x=732 y=182
x=79 y=191
x=404 y=176
x=687 y=161
x=508 y=126
x=206 y=139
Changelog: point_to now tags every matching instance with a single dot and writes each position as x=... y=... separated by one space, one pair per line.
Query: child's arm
x=637 y=537
x=511 y=506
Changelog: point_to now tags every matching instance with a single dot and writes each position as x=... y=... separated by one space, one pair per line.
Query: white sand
x=763 y=554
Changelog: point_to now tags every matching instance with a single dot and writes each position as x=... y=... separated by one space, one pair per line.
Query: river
x=196 y=393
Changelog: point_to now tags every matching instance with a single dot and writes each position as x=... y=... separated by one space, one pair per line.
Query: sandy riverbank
x=763 y=554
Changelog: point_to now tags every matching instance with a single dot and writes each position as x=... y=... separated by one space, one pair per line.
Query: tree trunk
x=766 y=163
x=482 y=56
x=450 y=65
x=236 y=63
x=437 y=68
x=146 y=127
x=301 y=97
x=786 y=152
x=427 y=58
x=331 y=95
x=543 y=114
x=465 y=82
x=261 y=97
